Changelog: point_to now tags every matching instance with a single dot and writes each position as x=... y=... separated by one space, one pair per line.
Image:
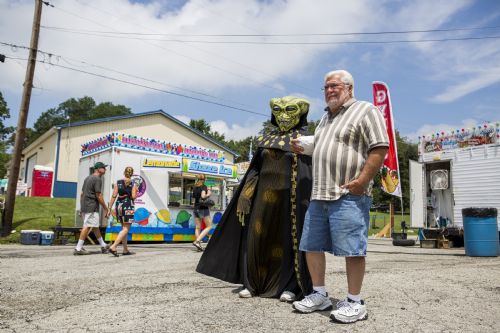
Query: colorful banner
x=390 y=170
x=172 y=164
x=151 y=145
x=460 y=138
x=222 y=170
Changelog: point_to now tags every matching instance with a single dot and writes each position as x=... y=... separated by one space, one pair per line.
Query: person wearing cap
x=90 y=199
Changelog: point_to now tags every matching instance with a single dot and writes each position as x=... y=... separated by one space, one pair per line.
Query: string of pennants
x=151 y=145
x=488 y=133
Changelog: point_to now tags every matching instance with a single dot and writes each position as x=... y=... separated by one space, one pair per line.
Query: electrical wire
x=145 y=86
x=287 y=43
x=272 y=35
x=180 y=54
x=219 y=56
x=65 y=59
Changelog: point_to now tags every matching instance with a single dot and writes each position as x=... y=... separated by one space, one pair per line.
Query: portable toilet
x=41 y=185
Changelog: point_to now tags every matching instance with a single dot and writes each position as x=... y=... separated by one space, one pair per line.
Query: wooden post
x=391 y=214
x=15 y=162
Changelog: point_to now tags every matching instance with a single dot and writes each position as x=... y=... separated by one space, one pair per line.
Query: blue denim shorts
x=339 y=227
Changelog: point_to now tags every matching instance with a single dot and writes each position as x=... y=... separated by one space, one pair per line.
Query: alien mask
x=288 y=110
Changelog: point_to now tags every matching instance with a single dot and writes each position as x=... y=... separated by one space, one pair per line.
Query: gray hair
x=345 y=77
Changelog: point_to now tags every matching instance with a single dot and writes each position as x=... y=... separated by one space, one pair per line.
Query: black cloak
x=256 y=242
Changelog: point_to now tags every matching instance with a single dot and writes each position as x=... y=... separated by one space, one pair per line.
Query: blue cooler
x=46 y=237
x=30 y=237
x=480 y=232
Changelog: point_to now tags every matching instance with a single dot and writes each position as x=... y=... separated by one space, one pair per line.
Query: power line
x=272 y=35
x=188 y=57
x=65 y=59
x=146 y=87
x=284 y=43
x=214 y=53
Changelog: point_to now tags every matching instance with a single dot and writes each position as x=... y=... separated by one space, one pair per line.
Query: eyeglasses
x=333 y=86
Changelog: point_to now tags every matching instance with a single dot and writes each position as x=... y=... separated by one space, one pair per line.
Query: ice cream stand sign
x=221 y=170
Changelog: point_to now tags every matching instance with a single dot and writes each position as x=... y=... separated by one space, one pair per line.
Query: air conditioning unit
x=439 y=179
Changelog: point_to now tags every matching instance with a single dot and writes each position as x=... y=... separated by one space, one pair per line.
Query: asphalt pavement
x=407 y=289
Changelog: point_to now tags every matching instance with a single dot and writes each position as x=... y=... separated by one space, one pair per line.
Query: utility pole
x=10 y=196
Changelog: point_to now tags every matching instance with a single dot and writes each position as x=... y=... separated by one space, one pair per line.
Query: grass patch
x=379 y=220
x=38 y=213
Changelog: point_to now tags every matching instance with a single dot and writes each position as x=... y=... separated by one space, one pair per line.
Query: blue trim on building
x=135 y=115
x=65 y=189
x=56 y=163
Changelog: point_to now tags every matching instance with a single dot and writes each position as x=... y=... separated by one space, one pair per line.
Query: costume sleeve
x=245 y=199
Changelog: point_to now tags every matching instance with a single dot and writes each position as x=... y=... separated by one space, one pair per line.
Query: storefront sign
x=170 y=164
x=222 y=170
x=152 y=145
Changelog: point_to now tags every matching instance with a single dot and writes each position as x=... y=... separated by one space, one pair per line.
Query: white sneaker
x=349 y=312
x=313 y=302
x=287 y=296
x=245 y=293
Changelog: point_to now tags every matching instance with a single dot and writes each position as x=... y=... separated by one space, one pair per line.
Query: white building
x=60 y=148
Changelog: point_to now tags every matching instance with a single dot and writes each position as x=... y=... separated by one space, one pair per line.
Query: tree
x=4 y=133
x=242 y=147
x=204 y=127
x=74 y=110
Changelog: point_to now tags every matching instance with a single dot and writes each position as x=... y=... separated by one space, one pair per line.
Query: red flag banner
x=390 y=170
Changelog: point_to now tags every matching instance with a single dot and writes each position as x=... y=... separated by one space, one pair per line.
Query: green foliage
x=4 y=114
x=38 y=214
x=4 y=133
x=204 y=127
x=74 y=110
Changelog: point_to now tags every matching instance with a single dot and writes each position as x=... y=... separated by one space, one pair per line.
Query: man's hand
x=355 y=187
x=296 y=146
x=106 y=212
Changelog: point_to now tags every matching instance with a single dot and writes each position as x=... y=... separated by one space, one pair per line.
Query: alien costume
x=256 y=242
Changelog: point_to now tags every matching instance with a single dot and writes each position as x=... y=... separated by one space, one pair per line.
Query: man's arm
x=372 y=165
x=101 y=202
x=81 y=203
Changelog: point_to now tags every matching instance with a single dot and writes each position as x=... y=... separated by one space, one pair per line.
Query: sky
x=223 y=60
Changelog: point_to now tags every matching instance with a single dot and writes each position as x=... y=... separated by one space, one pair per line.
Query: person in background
x=90 y=199
x=201 y=211
x=124 y=192
x=350 y=144
x=3 y=185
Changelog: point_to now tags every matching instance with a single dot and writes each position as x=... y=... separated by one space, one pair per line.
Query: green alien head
x=287 y=111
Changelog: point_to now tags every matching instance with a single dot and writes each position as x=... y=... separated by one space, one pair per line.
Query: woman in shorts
x=201 y=211
x=124 y=192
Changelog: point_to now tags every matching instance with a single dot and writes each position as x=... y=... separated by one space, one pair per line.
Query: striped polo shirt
x=341 y=145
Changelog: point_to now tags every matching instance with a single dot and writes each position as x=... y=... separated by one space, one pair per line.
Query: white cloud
x=205 y=67
x=236 y=131
x=231 y=131
x=182 y=118
x=471 y=83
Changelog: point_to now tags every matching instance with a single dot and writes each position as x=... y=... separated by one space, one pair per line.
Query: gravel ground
x=46 y=288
